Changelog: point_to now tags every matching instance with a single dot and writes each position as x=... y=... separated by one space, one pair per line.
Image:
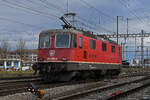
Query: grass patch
x=15 y=73
x=131 y=70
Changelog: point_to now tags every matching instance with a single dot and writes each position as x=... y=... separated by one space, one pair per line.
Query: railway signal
x=35 y=91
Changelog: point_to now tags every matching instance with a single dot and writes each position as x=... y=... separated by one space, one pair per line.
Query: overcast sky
x=24 y=19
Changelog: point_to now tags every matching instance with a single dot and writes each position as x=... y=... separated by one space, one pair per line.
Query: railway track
x=102 y=87
x=134 y=88
x=15 y=81
x=16 y=84
x=20 y=86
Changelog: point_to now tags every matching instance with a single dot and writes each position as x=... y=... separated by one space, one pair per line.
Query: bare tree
x=4 y=52
x=20 y=48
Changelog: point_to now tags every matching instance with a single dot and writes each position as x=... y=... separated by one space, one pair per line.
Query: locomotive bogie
x=66 y=71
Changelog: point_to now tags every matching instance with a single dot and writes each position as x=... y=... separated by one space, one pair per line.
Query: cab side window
x=74 y=41
x=92 y=44
x=104 y=46
x=80 y=42
x=113 y=49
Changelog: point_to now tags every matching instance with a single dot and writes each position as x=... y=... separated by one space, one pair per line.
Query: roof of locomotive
x=85 y=33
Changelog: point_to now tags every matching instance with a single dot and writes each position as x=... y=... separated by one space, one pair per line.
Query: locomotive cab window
x=104 y=46
x=62 y=40
x=80 y=42
x=74 y=41
x=92 y=44
x=113 y=49
x=45 y=41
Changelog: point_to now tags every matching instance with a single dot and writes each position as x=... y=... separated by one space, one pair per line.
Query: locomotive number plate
x=51 y=52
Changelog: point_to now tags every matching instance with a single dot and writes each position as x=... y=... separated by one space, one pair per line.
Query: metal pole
x=147 y=53
x=73 y=20
x=147 y=57
x=31 y=96
x=124 y=57
x=117 y=29
x=127 y=26
x=142 y=49
x=127 y=31
x=135 y=49
x=99 y=19
x=67 y=6
x=122 y=51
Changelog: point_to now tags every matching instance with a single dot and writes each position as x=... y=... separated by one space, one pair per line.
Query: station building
x=138 y=63
x=13 y=59
x=29 y=56
x=9 y=63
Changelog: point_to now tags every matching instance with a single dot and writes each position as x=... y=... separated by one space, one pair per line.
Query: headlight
x=41 y=59
x=64 y=59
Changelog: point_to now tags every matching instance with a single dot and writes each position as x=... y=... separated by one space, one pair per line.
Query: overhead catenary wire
x=30 y=9
x=100 y=12
x=33 y=11
x=25 y=8
x=37 y=3
x=15 y=7
x=81 y=18
x=91 y=23
x=15 y=21
x=62 y=10
x=37 y=12
x=18 y=22
x=146 y=15
x=41 y=4
x=122 y=2
x=46 y=2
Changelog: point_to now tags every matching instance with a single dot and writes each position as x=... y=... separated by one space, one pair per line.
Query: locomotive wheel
x=65 y=76
x=62 y=76
x=98 y=74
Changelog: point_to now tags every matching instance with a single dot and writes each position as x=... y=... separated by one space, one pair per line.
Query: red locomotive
x=68 y=53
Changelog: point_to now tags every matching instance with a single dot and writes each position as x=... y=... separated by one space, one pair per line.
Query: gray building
x=9 y=63
x=28 y=56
